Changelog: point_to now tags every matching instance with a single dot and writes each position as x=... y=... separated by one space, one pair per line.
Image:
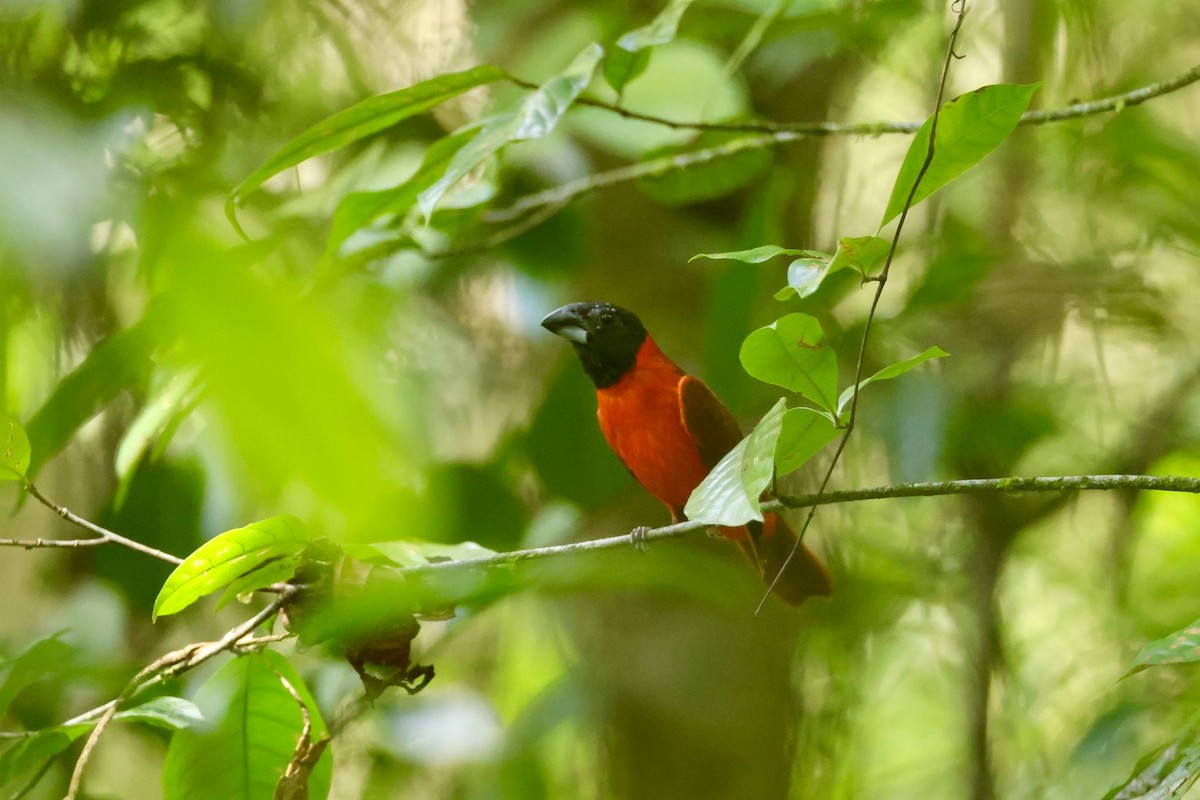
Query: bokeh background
x=178 y=381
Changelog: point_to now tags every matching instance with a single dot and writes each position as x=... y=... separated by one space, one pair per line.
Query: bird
x=670 y=430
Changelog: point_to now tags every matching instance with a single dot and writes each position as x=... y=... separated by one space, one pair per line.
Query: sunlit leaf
x=171 y=713
x=14 y=450
x=630 y=57
x=252 y=726
x=805 y=431
x=1163 y=774
x=363 y=119
x=228 y=556
x=757 y=255
x=860 y=252
x=791 y=352
x=534 y=118
x=274 y=571
x=1181 y=647
x=968 y=128
x=730 y=494
x=892 y=371
x=359 y=209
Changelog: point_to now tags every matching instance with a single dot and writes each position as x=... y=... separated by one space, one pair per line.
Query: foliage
x=353 y=343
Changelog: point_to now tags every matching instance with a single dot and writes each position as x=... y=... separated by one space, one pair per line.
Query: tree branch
x=776 y=133
x=103 y=535
x=1012 y=485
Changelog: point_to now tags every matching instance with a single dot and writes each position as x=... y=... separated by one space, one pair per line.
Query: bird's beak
x=567 y=323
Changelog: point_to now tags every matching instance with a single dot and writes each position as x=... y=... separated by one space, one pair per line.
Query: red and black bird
x=670 y=430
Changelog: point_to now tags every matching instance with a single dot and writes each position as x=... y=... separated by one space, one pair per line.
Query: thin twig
x=880 y=284
x=167 y=666
x=1067 y=483
x=104 y=534
x=776 y=133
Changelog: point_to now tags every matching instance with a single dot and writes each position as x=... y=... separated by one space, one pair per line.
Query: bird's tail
x=768 y=547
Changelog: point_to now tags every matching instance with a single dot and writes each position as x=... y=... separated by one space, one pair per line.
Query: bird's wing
x=713 y=429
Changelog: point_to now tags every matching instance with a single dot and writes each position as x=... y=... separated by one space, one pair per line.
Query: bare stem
x=103 y=535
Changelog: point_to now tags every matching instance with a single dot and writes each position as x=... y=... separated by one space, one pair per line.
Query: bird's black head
x=607 y=338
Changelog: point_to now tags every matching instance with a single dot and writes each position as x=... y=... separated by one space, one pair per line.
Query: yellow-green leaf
x=227 y=557
x=14 y=450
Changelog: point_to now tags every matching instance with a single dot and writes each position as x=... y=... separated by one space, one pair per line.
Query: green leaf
x=1162 y=774
x=621 y=67
x=171 y=713
x=630 y=57
x=27 y=754
x=968 y=128
x=363 y=119
x=729 y=496
x=117 y=363
x=274 y=571
x=159 y=417
x=860 y=252
x=661 y=29
x=412 y=553
x=253 y=724
x=791 y=352
x=44 y=658
x=757 y=255
x=899 y=368
x=805 y=431
x=228 y=556
x=804 y=276
x=14 y=450
x=1181 y=647
x=534 y=118
x=359 y=209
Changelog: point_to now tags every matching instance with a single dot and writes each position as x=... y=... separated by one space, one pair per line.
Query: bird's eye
x=606 y=319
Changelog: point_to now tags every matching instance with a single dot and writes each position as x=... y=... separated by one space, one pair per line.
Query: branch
x=168 y=666
x=103 y=535
x=1013 y=485
x=881 y=283
x=783 y=132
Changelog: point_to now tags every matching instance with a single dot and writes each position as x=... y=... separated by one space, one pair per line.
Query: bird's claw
x=637 y=537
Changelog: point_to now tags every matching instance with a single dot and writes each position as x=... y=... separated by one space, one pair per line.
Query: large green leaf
x=730 y=494
x=791 y=352
x=227 y=557
x=359 y=209
x=631 y=55
x=534 y=118
x=115 y=364
x=968 y=128
x=14 y=450
x=805 y=431
x=1163 y=774
x=253 y=724
x=363 y=119
x=891 y=371
x=1181 y=647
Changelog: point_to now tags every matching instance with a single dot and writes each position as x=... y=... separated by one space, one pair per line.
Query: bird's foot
x=637 y=537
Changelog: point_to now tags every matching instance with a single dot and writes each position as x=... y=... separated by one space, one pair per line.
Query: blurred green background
x=177 y=381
